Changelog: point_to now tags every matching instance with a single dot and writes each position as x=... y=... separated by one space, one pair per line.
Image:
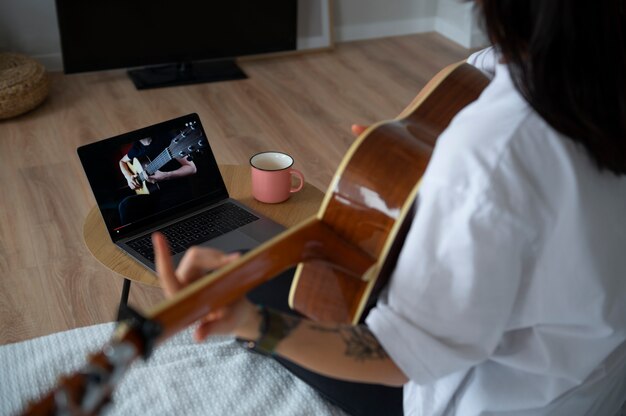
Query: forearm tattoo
x=290 y=323
x=360 y=343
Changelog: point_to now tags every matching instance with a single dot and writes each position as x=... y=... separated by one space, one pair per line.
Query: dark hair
x=568 y=59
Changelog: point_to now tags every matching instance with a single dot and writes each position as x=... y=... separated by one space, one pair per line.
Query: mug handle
x=300 y=176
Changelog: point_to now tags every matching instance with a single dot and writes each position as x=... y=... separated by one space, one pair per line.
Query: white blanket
x=182 y=377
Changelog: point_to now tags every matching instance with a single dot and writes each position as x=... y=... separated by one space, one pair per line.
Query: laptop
x=165 y=178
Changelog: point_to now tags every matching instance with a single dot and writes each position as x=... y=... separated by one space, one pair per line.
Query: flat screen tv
x=173 y=41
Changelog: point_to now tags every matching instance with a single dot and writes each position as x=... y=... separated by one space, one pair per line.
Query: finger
x=164 y=265
x=357 y=129
x=226 y=320
x=212 y=326
x=215 y=315
x=197 y=261
x=202 y=331
x=206 y=325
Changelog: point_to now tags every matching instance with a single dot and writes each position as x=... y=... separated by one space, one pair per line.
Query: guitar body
x=369 y=202
x=138 y=168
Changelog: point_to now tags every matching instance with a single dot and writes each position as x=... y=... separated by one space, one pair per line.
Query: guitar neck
x=311 y=241
x=158 y=162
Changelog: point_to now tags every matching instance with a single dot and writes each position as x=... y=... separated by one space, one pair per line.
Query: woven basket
x=23 y=84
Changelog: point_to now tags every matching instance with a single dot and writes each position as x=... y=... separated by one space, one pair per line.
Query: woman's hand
x=133 y=182
x=240 y=318
x=158 y=176
x=357 y=129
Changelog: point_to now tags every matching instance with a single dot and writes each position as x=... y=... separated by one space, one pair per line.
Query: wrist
x=271 y=328
x=250 y=328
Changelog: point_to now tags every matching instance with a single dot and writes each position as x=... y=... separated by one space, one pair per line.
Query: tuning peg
x=190 y=158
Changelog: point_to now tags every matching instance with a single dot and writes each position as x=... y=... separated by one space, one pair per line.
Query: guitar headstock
x=187 y=142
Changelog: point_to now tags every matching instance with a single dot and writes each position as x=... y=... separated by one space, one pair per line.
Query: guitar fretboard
x=158 y=162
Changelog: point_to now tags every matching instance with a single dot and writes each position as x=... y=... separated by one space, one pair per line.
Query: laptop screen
x=151 y=175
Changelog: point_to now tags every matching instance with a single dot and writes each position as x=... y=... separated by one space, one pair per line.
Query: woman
x=516 y=304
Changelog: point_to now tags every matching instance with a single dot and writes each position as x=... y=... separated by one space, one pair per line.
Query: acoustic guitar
x=345 y=253
x=185 y=143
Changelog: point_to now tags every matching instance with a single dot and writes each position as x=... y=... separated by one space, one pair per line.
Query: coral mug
x=271 y=177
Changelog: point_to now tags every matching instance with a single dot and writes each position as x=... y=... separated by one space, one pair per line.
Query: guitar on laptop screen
x=183 y=145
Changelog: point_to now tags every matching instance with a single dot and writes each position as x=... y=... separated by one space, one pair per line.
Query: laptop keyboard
x=197 y=229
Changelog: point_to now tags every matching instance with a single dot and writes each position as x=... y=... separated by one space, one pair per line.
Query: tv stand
x=186 y=73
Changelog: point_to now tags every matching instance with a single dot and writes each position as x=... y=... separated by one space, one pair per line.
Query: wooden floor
x=301 y=104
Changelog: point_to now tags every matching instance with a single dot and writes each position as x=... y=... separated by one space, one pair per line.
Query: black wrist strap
x=272 y=330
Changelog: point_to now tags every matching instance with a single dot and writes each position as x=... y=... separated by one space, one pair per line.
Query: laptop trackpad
x=233 y=241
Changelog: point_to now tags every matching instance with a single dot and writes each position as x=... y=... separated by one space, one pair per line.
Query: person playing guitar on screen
x=147 y=172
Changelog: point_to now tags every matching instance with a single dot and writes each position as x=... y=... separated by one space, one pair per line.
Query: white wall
x=313 y=29
x=30 y=26
x=458 y=22
x=365 y=19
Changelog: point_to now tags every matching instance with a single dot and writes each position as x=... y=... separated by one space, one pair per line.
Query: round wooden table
x=297 y=208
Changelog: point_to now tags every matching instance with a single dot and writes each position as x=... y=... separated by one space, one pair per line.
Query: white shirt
x=509 y=296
